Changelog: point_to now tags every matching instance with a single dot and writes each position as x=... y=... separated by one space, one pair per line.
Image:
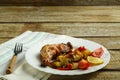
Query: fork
x=18 y=49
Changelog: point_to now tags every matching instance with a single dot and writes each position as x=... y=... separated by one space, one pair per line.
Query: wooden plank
x=71 y=29
x=101 y=75
x=109 y=43
x=2 y=40
x=6 y=27
x=59 y=2
x=79 y=29
x=60 y=14
x=114 y=63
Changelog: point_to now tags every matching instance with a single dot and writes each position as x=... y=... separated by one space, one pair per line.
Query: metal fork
x=18 y=49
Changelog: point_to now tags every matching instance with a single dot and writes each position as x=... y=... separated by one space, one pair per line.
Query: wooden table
x=97 y=23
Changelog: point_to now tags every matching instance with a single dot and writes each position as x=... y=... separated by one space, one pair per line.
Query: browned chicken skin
x=50 y=51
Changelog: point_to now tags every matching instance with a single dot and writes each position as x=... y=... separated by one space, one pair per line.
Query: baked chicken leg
x=49 y=52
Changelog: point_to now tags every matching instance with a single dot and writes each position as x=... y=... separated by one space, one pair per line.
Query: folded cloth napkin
x=22 y=71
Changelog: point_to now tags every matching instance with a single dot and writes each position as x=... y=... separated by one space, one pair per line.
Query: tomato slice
x=83 y=64
x=97 y=52
x=81 y=48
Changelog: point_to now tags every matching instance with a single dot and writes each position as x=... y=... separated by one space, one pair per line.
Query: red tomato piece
x=97 y=52
x=69 y=66
x=63 y=68
x=83 y=64
x=81 y=48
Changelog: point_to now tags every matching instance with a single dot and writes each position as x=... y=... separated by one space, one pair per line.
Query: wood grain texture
x=114 y=61
x=71 y=29
x=99 y=75
x=109 y=43
x=60 y=14
x=2 y=40
x=59 y=2
x=78 y=29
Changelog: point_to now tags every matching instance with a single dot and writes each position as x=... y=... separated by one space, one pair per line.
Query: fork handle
x=11 y=65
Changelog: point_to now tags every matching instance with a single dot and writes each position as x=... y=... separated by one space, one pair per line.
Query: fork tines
x=18 y=48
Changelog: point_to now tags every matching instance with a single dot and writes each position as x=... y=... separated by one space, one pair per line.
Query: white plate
x=31 y=55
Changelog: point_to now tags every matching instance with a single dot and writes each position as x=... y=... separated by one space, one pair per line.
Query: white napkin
x=22 y=71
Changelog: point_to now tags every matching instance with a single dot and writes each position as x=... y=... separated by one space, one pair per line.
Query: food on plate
x=97 y=52
x=64 y=57
x=83 y=64
x=94 y=60
x=50 y=52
